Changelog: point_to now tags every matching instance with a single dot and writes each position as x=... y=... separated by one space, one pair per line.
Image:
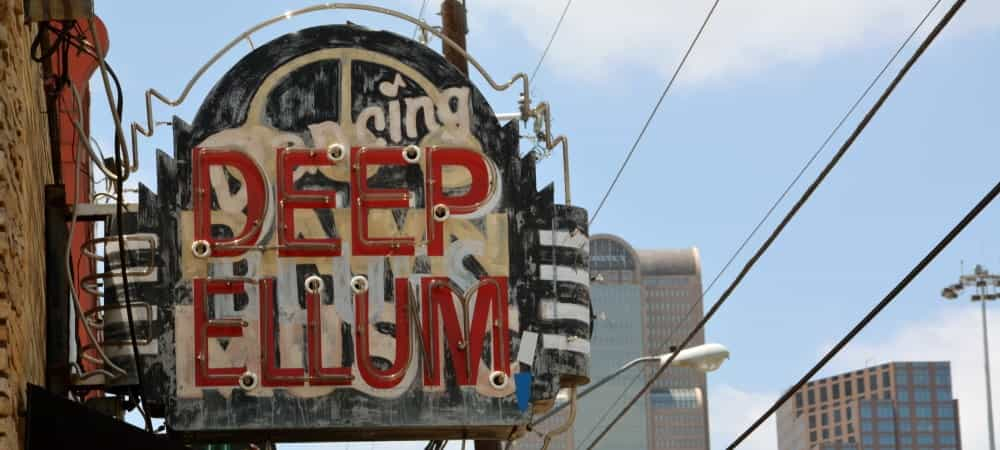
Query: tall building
x=616 y=298
x=639 y=298
x=677 y=404
x=898 y=405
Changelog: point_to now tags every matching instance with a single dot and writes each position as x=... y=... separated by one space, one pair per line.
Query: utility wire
x=552 y=39
x=656 y=109
x=983 y=203
x=420 y=16
x=695 y=305
x=795 y=209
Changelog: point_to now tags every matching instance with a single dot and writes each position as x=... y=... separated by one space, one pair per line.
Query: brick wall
x=25 y=168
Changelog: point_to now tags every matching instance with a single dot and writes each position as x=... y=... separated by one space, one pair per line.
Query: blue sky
x=770 y=81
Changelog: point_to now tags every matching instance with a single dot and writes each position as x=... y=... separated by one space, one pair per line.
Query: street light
x=982 y=280
x=706 y=358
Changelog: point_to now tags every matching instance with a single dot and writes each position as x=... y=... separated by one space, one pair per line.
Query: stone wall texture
x=25 y=169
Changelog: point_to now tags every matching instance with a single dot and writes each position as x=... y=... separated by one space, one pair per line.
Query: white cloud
x=731 y=410
x=744 y=37
x=955 y=336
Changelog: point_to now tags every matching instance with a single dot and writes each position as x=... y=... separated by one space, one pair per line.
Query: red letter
x=384 y=379
x=205 y=327
x=291 y=199
x=202 y=159
x=272 y=374
x=319 y=375
x=466 y=348
x=465 y=203
x=364 y=199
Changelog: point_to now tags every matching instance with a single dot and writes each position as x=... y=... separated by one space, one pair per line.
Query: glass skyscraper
x=639 y=298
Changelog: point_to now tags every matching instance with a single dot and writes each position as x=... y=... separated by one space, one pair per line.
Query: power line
x=656 y=109
x=552 y=39
x=795 y=209
x=420 y=16
x=983 y=203
x=695 y=305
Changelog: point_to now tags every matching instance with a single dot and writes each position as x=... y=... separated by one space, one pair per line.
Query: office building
x=639 y=298
x=677 y=405
x=897 y=406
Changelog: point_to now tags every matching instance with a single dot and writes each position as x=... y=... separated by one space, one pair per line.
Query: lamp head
x=705 y=358
x=949 y=293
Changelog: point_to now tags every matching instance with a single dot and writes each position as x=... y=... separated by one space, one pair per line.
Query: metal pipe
x=986 y=363
x=149 y=129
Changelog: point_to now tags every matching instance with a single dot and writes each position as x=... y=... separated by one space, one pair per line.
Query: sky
x=761 y=91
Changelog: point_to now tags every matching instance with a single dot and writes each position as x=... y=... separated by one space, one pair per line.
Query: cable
x=121 y=163
x=420 y=16
x=798 y=205
x=694 y=305
x=955 y=231
x=552 y=39
x=69 y=271
x=656 y=109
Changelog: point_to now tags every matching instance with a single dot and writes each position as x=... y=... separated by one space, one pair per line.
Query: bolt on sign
x=350 y=246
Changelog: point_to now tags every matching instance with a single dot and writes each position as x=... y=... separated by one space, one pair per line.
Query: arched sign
x=349 y=246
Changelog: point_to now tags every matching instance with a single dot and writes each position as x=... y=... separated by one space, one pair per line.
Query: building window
x=826 y=433
x=847 y=388
x=823 y=420
x=848 y=411
x=942 y=377
x=811 y=394
x=901 y=379
x=944 y=438
x=906 y=440
x=866 y=426
x=885 y=439
x=836 y=431
x=873 y=382
x=886 y=381
x=925 y=426
x=943 y=394
x=945 y=425
x=850 y=428
x=922 y=395
x=836 y=391
x=903 y=395
x=798 y=399
x=885 y=411
x=925 y=439
x=924 y=411
x=822 y=394
x=812 y=420
x=812 y=434
x=921 y=377
x=903 y=411
x=945 y=411
x=836 y=416
x=860 y=382
x=866 y=439
x=866 y=412
x=885 y=425
x=904 y=426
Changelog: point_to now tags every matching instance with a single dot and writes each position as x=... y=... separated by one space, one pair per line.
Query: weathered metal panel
x=266 y=193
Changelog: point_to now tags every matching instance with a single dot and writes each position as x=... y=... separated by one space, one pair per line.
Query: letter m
x=444 y=309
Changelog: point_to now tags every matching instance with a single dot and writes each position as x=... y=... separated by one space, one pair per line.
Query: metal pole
x=986 y=360
x=593 y=386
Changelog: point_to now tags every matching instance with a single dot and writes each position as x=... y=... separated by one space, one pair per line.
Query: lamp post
x=982 y=280
x=706 y=358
